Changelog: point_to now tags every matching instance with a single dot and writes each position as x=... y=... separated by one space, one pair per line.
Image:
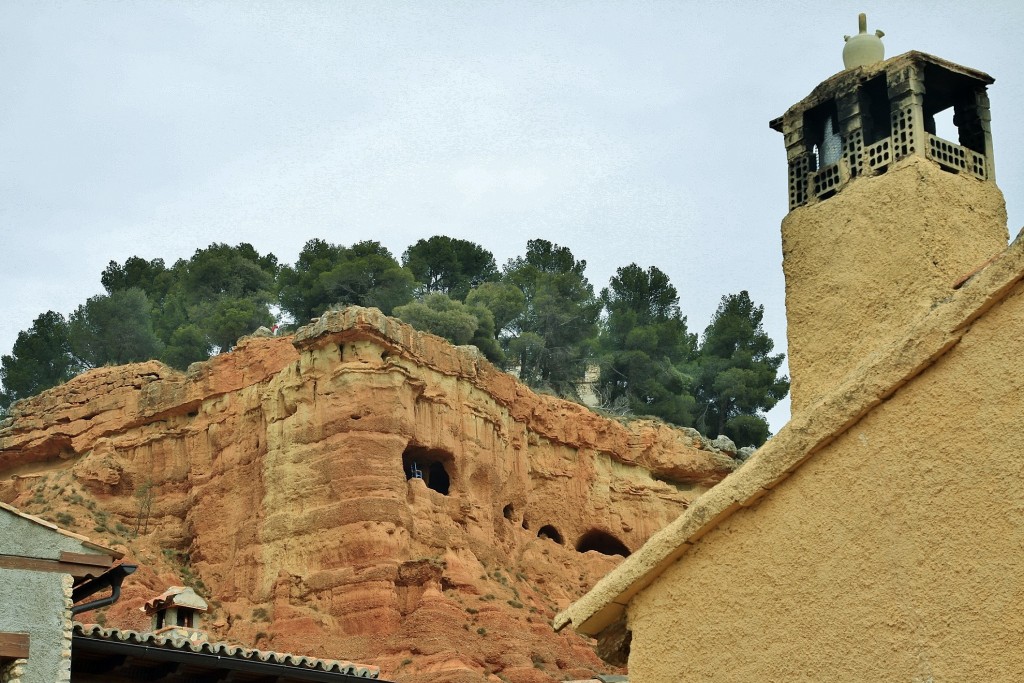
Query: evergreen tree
x=187 y=344
x=738 y=374
x=204 y=303
x=485 y=337
x=369 y=276
x=649 y=354
x=542 y=312
x=224 y=291
x=450 y=266
x=152 y=277
x=41 y=358
x=457 y=322
x=325 y=275
x=301 y=291
x=560 y=315
x=439 y=314
x=113 y=329
x=505 y=302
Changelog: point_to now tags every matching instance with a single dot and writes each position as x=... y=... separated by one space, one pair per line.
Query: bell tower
x=885 y=217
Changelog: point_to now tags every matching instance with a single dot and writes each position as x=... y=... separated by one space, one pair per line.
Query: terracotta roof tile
x=171 y=642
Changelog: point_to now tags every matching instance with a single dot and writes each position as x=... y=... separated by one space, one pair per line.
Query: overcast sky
x=627 y=131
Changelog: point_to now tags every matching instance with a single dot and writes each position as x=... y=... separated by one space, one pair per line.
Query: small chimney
x=176 y=613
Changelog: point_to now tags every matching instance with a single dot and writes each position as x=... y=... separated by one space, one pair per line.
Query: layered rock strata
x=358 y=491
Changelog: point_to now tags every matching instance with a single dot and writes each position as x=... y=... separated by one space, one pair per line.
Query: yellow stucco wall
x=865 y=263
x=895 y=554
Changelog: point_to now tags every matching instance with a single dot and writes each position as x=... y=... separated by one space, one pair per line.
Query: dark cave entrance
x=602 y=542
x=429 y=464
x=548 y=531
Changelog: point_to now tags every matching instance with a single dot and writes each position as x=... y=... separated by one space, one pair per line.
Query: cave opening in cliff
x=548 y=531
x=429 y=464
x=602 y=542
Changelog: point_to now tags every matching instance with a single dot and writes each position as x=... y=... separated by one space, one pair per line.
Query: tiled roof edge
x=222 y=649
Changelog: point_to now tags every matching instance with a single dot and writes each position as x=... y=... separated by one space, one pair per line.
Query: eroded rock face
x=278 y=479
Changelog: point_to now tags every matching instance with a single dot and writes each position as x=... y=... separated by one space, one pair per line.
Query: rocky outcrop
x=359 y=490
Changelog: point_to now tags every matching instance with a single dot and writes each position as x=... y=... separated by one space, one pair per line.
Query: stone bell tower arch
x=885 y=217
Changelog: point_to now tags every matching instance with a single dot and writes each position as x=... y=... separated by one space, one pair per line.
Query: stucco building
x=880 y=535
x=40 y=566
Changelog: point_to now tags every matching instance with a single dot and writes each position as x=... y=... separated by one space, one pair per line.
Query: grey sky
x=629 y=132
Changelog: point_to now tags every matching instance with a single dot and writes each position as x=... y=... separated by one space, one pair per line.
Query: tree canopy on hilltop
x=325 y=275
x=449 y=266
x=538 y=317
x=552 y=336
x=738 y=374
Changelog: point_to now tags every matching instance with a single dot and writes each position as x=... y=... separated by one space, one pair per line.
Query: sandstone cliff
x=278 y=480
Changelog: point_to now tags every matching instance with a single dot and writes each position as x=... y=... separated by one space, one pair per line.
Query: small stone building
x=879 y=535
x=40 y=564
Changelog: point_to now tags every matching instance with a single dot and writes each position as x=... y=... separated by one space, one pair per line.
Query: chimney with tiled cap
x=177 y=613
x=885 y=215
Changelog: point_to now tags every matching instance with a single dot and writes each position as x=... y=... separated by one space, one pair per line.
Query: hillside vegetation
x=537 y=314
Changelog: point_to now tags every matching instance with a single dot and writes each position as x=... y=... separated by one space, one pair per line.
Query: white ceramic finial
x=863 y=49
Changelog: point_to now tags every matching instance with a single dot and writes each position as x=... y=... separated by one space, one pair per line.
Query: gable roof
x=878 y=377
